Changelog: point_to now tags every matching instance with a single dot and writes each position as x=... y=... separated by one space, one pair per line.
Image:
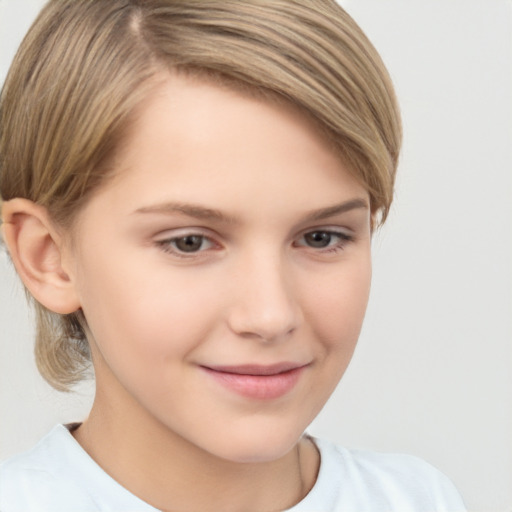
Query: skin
x=250 y=179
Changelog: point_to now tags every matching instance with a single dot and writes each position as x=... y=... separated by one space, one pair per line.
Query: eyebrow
x=191 y=210
x=337 y=209
x=204 y=213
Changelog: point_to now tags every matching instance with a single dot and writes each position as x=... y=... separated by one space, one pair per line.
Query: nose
x=266 y=304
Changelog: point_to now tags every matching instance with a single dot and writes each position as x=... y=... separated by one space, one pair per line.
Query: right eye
x=186 y=245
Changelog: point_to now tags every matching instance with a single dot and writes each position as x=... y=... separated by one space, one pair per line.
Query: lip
x=261 y=382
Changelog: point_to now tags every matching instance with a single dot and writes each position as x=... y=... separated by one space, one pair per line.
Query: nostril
x=267 y=326
x=265 y=304
x=268 y=336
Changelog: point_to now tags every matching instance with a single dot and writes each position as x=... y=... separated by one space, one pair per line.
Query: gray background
x=432 y=374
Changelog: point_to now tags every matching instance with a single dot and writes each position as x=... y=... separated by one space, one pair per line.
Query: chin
x=260 y=446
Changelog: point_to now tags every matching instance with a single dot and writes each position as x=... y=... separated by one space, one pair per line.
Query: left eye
x=323 y=239
x=186 y=244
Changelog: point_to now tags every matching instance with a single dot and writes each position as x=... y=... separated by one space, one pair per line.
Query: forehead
x=193 y=140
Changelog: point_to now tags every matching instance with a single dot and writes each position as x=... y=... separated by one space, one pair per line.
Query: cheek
x=338 y=305
x=145 y=311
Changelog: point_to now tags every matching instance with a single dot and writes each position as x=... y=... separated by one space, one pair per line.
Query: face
x=224 y=271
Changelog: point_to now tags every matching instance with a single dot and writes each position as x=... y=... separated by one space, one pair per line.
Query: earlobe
x=36 y=250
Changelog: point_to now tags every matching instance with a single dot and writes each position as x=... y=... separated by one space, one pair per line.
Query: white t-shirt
x=57 y=475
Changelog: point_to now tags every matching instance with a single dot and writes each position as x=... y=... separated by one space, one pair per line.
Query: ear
x=36 y=249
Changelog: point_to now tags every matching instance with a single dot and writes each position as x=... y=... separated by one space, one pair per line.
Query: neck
x=168 y=472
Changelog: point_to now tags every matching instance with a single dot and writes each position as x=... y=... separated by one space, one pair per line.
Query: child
x=189 y=191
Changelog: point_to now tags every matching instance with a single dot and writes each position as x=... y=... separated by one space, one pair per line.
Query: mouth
x=260 y=382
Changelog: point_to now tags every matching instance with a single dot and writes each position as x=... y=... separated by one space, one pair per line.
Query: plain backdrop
x=432 y=373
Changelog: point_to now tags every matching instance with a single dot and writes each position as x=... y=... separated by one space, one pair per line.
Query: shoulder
x=36 y=480
x=364 y=481
x=57 y=475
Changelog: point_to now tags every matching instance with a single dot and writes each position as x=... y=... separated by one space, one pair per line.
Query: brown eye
x=189 y=243
x=325 y=241
x=318 y=239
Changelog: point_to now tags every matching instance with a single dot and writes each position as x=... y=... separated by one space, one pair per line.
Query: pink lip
x=255 y=381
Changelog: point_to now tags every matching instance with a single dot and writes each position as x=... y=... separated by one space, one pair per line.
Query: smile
x=257 y=382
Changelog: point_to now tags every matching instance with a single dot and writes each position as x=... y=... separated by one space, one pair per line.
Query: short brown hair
x=85 y=65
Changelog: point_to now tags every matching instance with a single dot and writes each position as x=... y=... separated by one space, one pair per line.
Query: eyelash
x=169 y=245
x=340 y=245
